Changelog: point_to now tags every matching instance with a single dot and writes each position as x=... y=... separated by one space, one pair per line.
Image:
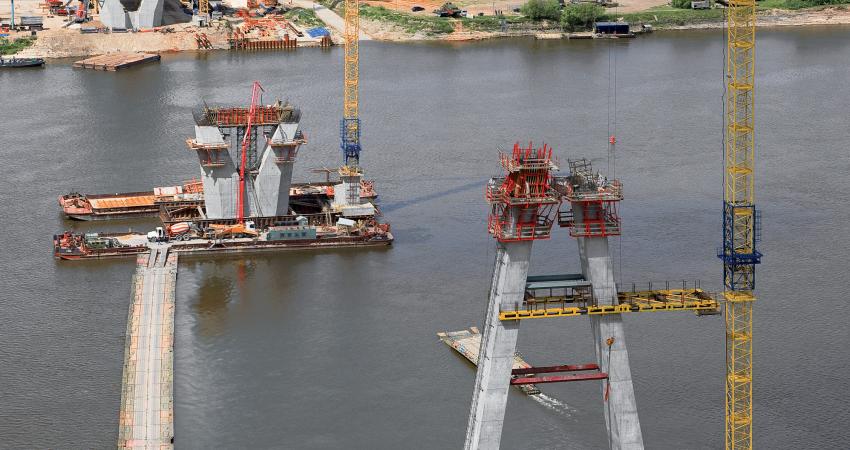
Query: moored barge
x=130 y=204
x=79 y=246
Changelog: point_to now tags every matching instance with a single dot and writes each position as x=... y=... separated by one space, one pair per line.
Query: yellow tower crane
x=741 y=221
x=350 y=127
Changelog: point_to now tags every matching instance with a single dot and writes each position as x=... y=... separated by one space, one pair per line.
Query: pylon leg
x=621 y=416
x=498 y=345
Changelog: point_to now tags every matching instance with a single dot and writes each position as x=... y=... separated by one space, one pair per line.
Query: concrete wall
x=498 y=345
x=621 y=416
x=221 y=184
x=149 y=14
x=113 y=15
x=275 y=178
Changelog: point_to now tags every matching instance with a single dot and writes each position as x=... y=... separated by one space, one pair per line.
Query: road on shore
x=328 y=16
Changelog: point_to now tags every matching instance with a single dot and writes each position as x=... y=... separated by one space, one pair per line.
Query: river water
x=338 y=349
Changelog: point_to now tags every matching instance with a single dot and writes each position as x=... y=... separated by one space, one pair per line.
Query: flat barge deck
x=127 y=205
x=74 y=246
x=468 y=344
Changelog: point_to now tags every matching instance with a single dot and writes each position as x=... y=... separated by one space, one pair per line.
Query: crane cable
x=612 y=137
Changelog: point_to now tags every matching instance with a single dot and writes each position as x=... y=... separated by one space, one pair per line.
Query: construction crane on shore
x=350 y=125
x=741 y=221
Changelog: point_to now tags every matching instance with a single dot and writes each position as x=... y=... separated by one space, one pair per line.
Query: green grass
x=304 y=17
x=410 y=23
x=8 y=47
x=664 y=16
x=492 y=23
x=799 y=4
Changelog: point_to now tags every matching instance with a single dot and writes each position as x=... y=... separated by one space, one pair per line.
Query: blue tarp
x=318 y=32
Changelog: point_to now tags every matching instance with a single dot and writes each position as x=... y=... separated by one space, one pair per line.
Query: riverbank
x=387 y=25
x=393 y=24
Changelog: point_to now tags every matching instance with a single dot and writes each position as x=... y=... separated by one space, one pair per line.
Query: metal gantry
x=741 y=223
x=350 y=125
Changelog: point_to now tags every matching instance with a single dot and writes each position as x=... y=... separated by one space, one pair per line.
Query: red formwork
x=523 y=202
x=238 y=117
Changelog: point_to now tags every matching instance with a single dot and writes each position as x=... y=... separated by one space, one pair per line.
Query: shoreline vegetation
x=390 y=20
x=391 y=25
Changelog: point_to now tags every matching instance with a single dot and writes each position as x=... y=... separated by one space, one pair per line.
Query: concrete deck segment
x=146 y=418
x=498 y=345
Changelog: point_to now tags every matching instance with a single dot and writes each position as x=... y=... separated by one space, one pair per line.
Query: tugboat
x=21 y=62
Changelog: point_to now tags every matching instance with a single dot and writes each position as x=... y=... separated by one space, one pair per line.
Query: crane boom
x=350 y=127
x=741 y=221
x=246 y=141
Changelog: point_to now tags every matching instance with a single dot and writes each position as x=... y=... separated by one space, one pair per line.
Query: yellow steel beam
x=645 y=301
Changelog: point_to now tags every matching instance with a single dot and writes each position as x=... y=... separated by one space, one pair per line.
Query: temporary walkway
x=147 y=413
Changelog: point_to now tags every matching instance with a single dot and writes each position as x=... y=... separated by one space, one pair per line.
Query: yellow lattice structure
x=350 y=133
x=740 y=221
x=576 y=304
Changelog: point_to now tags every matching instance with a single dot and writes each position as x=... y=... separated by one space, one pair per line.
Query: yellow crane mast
x=350 y=129
x=741 y=221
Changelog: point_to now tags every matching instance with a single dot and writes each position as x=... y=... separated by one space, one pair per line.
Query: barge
x=80 y=246
x=127 y=205
x=468 y=344
x=130 y=205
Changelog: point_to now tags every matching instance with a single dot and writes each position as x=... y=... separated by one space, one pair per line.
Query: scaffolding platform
x=468 y=344
x=570 y=295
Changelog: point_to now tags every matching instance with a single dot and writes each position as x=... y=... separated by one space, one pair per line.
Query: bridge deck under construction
x=146 y=418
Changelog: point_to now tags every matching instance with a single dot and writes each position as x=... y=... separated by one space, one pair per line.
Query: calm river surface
x=338 y=349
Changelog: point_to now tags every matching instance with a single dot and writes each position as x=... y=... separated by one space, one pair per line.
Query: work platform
x=146 y=418
x=570 y=295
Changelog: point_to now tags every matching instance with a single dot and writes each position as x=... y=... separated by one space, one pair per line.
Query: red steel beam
x=551 y=369
x=559 y=378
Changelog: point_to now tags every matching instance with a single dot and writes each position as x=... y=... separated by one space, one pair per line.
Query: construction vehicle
x=181 y=231
x=448 y=10
x=241 y=229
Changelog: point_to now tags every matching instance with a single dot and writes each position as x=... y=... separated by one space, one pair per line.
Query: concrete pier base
x=498 y=345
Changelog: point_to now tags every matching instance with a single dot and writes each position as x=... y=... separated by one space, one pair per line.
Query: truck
x=181 y=231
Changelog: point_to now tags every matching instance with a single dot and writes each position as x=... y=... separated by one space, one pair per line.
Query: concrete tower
x=114 y=14
x=591 y=219
x=270 y=156
x=522 y=205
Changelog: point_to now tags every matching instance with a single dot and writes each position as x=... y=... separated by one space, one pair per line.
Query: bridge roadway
x=146 y=419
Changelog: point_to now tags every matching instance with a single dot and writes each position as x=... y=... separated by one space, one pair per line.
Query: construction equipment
x=741 y=221
x=242 y=229
x=350 y=126
x=448 y=10
x=240 y=202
